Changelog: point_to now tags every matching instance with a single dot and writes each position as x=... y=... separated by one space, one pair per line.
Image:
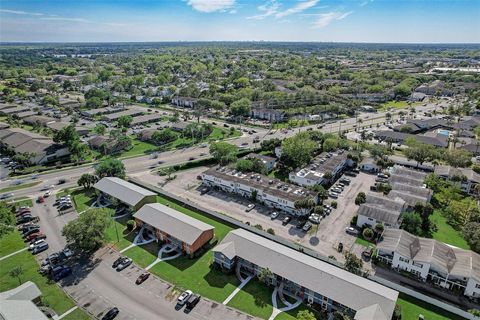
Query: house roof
x=146 y=118
x=373 y=312
x=448 y=259
x=438 y=141
x=340 y=285
x=449 y=171
x=173 y=222
x=380 y=208
x=122 y=190
x=400 y=178
x=42 y=120
x=115 y=116
x=21 y=141
x=20 y=298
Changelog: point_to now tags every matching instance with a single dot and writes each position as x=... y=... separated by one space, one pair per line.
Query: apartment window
x=370 y=219
x=415 y=272
x=416 y=264
x=477 y=286
x=403 y=259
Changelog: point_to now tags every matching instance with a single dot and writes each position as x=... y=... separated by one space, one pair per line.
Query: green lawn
x=23 y=202
x=361 y=241
x=255 y=299
x=145 y=254
x=83 y=199
x=20 y=186
x=292 y=314
x=446 y=233
x=138 y=148
x=11 y=242
x=125 y=237
x=77 y=314
x=52 y=295
x=412 y=308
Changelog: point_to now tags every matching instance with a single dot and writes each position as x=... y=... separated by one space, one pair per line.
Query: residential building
x=175 y=228
x=311 y=280
x=101 y=111
x=323 y=169
x=111 y=117
x=437 y=87
x=268 y=191
x=42 y=149
x=13 y=110
x=380 y=209
x=25 y=114
x=26 y=298
x=38 y=120
x=152 y=117
x=119 y=190
x=271 y=115
x=417 y=96
x=439 y=140
x=268 y=162
x=408 y=184
x=465 y=178
x=369 y=165
x=59 y=125
x=433 y=261
x=184 y=102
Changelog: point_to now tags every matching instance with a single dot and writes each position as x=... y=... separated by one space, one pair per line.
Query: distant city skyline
x=373 y=21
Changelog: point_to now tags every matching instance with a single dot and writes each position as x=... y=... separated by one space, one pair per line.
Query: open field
x=446 y=233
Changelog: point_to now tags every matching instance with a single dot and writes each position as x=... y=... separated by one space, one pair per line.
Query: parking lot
x=325 y=240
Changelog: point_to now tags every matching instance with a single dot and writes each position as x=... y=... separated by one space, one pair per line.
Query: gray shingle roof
x=452 y=260
x=340 y=285
x=122 y=190
x=20 y=298
x=173 y=222
x=382 y=209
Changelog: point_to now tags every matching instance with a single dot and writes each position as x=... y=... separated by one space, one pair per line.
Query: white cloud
x=324 y=19
x=300 y=7
x=365 y=2
x=268 y=9
x=67 y=19
x=22 y=12
x=209 y=6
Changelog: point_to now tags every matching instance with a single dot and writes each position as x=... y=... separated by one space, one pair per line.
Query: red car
x=23 y=210
x=36 y=235
x=41 y=199
x=141 y=278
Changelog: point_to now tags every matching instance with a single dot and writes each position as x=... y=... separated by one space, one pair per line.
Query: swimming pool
x=443 y=132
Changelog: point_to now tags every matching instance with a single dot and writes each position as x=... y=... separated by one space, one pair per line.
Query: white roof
x=122 y=190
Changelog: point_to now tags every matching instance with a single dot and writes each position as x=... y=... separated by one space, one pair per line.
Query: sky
x=383 y=21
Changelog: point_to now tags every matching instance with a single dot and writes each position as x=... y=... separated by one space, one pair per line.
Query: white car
x=274 y=215
x=184 y=297
x=47 y=188
x=36 y=243
x=352 y=231
x=47 y=194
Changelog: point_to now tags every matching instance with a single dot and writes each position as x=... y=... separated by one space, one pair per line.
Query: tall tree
x=110 y=168
x=297 y=151
x=17 y=272
x=223 y=152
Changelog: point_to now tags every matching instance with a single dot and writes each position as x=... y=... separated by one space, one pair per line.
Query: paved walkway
x=13 y=253
x=138 y=241
x=237 y=289
x=164 y=249
x=66 y=313
x=289 y=306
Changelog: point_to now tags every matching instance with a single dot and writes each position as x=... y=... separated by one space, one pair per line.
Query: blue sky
x=412 y=21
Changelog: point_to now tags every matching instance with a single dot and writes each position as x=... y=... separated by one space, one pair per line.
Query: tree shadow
x=81 y=268
x=217 y=279
x=314 y=241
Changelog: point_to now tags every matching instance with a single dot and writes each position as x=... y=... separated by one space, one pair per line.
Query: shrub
x=131 y=224
x=258 y=226
x=271 y=231
x=334 y=204
x=353 y=222
x=367 y=233
x=361 y=198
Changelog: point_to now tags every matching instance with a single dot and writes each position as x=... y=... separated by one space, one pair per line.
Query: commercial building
x=380 y=209
x=429 y=260
x=268 y=191
x=42 y=149
x=312 y=280
x=175 y=228
x=323 y=169
x=21 y=303
x=129 y=194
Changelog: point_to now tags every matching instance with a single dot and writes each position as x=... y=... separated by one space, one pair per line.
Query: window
x=477 y=286
x=416 y=264
x=403 y=259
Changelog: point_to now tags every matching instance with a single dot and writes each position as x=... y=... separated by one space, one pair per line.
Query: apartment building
x=175 y=228
x=121 y=191
x=380 y=209
x=465 y=178
x=311 y=280
x=432 y=261
x=323 y=169
x=268 y=191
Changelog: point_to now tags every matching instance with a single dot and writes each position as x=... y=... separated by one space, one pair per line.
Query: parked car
x=286 y=220
x=47 y=194
x=381 y=180
x=24 y=228
x=46 y=188
x=62 y=181
x=141 y=278
x=66 y=253
x=250 y=207
x=373 y=188
x=41 y=247
x=23 y=213
x=307 y=226
x=35 y=243
x=192 y=302
x=51 y=259
x=65 y=272
x=340 y=247
x=117 y=262
x=345 y=180
x=204 y=190
x=367 y=253
x=182 y=299
x=124 y=264
x=350 y=174
x=314 y=218
x=111 y=314
x=25 y=218
x=333 y=195
x=35 y=236
x=274 y=215
x=44 y=269
x=352 y=231
x=40 y=199
x=300 y=224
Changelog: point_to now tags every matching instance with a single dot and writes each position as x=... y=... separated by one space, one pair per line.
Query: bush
x=334 y=204
x=361 y=198
x=271 y=231
x=354 y=220
x=258 y=226
x=130 y=225
x=368 y=233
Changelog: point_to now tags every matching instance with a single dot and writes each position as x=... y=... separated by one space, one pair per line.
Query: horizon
x=322 y=21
